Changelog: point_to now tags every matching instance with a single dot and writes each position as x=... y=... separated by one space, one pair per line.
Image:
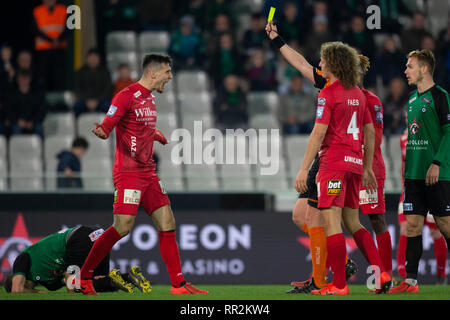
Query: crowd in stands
x=207 y=35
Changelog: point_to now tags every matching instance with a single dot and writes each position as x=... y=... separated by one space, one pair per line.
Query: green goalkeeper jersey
x=428 y=142
x=47 y=258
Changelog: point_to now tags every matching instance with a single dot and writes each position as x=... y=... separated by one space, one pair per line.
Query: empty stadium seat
x=200 y=102
x=295 y=149
x=202 y=119
x=85 y=123
x=59 y=124
x=262 y=102
x=114 y=59
x=192 y=82
x=166 y=102
x=264 y=121
x=272 y=183
x=172 y=184
x=3 y=174
x=26 y=174
x=153 y=41
x=3 y=147
x=117 y=41
x=96 y=174
x=202 y=184
x=54 y=145
x=236 y=177
x=166 y=123
x=25 y=147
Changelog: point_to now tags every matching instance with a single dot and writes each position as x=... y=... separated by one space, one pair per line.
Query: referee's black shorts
x=311 y=193
x=421 y=199
x=79 y=244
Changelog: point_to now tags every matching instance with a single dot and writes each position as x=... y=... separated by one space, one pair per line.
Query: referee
x=427 y=162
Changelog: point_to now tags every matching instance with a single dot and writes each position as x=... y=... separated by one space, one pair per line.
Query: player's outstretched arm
x=159 y=136
x=19 y=285
x=293 y=57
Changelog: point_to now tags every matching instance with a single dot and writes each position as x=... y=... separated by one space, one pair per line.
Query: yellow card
x=271 y=13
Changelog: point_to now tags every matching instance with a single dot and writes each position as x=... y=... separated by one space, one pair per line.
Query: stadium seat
x=59 y=124
x=172 y=184
x=54 y=145
x=166 y=123
x=85 y=123
x=201 y=177
x=264 y=121
x=272 y=183
x=193 y=82
x=25 y=147
x=98 y=148
x=202 y=184
x=189 y=121
x=114 y=59
x=96 y=174
x=295 y=149
x=3 y=147
x=200 y=102
x=3 y=174
x=236 y=177
x=262 y=102
x=166 y=102
x=26 y=174
x=153 y=41
x=117 y=41
x=395 y=161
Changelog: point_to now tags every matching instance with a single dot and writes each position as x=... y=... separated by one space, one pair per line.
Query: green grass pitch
x=237 y=292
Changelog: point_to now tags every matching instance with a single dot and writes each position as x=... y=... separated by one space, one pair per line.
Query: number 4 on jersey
x=353 y=127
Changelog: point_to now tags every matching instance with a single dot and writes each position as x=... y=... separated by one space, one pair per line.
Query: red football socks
x=337 y=253
x=401 y=257
x=440 y=251
x=169 y=252
x=102 y=246
x=385 y=251
x=365 y=243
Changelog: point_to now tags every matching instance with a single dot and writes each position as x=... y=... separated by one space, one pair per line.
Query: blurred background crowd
x=225 y=40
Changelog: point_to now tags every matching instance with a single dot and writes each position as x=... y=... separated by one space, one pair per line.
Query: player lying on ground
x=133 y=114
x=427 y=162
x=47 y=261
x=376 y=210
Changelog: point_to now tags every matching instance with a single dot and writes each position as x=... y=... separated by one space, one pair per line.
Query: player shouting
x=133 y=114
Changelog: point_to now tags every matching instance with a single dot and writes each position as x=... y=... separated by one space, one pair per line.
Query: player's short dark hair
x=155 y=60
x=80 y=143
x=8 y=283
x=424 y=56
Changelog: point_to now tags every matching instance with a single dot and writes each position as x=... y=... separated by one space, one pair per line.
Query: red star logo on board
x=414 y=127
x=10 y=246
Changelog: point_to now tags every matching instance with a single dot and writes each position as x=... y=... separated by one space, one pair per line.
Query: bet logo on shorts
x=334 y=187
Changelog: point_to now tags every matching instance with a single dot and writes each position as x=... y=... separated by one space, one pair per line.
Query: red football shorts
x=338 y=189
x=135 y=188
x=373 y=203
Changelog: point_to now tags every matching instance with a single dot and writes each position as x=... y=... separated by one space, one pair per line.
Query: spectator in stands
x=25 y=63
x=290 y=22
x=255 y=36
x=222 y=25
x=186 y=45
x=69 y=165
x=226 y=60
x=155 y=14
x=443 y=51
x=93 y=85
x=261 y=72
x=25 y=106
x=49 y=28
x=394 y=105
x=195 y=8
x=124 y=79
x=390 y=63
x=7 y=70
x=295 y=112
x=217 y=7
x=412 y=37
x=230 y=104
x=316 y=37
x=362 y=39
x=390 y=13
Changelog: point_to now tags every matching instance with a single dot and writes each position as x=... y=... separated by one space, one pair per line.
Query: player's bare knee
x=443 y=223
x=413 y=228
x=123 y=224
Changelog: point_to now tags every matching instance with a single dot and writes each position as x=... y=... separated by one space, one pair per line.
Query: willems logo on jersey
x=334 y=187
x=414 y=127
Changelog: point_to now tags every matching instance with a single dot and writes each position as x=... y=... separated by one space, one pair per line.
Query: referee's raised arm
x=293 y=57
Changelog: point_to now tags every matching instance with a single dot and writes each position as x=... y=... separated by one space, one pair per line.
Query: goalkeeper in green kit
x=427 y=162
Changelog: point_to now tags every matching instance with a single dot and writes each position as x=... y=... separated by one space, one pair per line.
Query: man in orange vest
x=50 y=42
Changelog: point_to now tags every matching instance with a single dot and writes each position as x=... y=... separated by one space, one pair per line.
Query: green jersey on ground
x=428 y=142
x=47 y=258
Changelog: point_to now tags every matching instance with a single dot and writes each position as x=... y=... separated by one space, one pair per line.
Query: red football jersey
x=345 y=113
x=376 y=111
x=133 y=114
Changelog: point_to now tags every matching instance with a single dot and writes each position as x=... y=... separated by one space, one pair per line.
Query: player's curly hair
x=343 y=61
x=364 y=64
